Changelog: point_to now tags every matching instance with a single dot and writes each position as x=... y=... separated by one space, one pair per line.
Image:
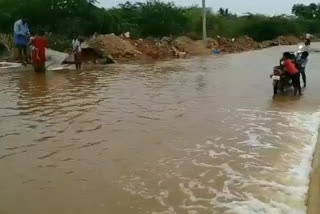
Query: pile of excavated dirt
x=185 y=44
x=245 y=43
x=154 y=49
x=111 y=47
x=281 y=40
x=115 y=46
x=240 y=44
x=287 y=40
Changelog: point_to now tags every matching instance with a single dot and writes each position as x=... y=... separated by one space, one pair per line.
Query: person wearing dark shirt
x=302 y=63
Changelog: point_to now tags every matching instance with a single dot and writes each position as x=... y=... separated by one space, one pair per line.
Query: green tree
x=311 y=11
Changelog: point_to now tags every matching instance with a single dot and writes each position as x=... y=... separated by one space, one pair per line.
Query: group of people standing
x=38 y=44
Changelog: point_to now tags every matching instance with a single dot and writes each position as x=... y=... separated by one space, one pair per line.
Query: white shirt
x=76 y=45
x=21 y=28
x=308 y=36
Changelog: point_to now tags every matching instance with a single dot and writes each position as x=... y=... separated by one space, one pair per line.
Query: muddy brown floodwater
x=197 y=136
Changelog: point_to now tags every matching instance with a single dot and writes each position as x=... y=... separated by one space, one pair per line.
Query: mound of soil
x=245 y=43
x=115 y=46
x=185 y=44
x=153 y=48
x=287 y=40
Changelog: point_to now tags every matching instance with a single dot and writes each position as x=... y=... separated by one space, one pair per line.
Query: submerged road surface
x=197 y=136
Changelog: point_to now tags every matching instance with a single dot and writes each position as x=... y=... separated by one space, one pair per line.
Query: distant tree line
x=152 y=18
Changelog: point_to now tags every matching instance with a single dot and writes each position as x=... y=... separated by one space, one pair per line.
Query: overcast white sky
x=271 y=7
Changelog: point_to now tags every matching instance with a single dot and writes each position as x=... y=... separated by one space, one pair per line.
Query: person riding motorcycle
x=290 y=67
x=285 y=76
x=307 y=39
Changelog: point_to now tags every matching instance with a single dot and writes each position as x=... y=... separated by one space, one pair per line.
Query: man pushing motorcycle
x=292 y=70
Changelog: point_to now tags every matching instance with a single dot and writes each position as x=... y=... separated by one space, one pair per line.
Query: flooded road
x=197 y=136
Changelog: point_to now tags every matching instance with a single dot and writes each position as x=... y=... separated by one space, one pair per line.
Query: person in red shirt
x=40 y=43
x=291 y=68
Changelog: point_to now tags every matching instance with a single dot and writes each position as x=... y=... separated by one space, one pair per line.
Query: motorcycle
x=281 y=81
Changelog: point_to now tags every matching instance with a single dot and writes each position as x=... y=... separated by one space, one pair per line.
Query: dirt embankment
x=111 y=48
x=122 y=48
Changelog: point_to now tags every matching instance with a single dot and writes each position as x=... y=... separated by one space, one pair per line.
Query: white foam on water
x=302 y=171
x=8 y=65
x=263 y=170
x=255 y=206
x=214 y=154
x=170 y=210
x=296 y=191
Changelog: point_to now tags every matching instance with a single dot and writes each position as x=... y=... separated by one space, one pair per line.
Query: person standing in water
x=21 y=39
x=302 y=67
x=40 y=43
x=292 y=70
x=76 y=44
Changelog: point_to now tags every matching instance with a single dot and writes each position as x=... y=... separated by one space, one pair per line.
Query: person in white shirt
x=76 y=44
x=302 y=64
x=308 y=36
x=307 y=39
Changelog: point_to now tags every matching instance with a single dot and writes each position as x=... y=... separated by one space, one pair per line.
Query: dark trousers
x=304 y=78
x=39 y=67
x=78 y=60
x=22 y=53
x=296 y=83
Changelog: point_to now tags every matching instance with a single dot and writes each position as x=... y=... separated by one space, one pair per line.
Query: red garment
x=290 y=66
x=39 y=53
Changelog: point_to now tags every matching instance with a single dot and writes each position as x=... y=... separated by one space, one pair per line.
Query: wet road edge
x=313 y=199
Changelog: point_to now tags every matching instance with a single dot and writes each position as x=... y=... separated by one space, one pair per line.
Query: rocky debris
x=245 y=43
x=153 y=48
x=287 y=40
x=212 y=44
x=225 y=45
x=166 y=41
x=269 y=43
x=124 y=35
x=281 y=40
x=233 y=45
